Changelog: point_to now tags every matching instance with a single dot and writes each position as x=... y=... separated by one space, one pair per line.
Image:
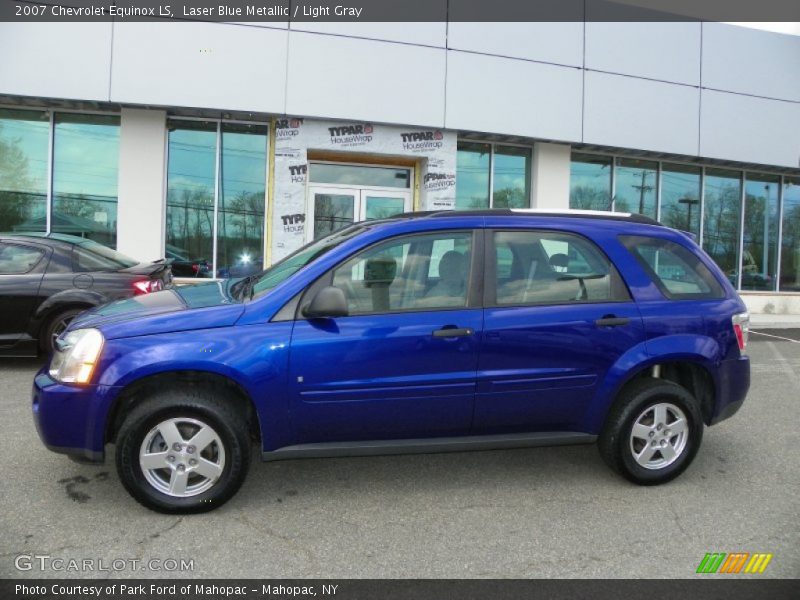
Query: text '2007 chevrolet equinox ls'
x=424 y=332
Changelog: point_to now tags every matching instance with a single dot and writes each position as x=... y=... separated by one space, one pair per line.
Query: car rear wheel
x=653 y=432
x=55 y=327
x=183 y=451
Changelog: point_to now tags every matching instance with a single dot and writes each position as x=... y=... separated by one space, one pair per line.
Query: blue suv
x=424 y=332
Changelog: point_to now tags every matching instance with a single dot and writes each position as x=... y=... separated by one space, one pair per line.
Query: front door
x=403 y=363
x=558 y=316
x=334 y=208
x=21 y=270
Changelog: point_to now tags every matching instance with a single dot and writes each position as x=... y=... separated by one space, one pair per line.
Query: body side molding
x=429 y=446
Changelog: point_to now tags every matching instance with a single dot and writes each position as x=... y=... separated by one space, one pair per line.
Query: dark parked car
x=183 y=266
x=446 y=331
x=47 y=279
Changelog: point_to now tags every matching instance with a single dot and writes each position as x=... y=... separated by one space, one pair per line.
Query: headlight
x=76 y=356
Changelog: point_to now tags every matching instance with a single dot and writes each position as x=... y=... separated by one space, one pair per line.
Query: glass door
x=334 y=208
x=382 y=205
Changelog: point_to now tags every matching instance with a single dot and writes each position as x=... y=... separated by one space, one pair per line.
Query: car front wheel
x=653 y=432
x=183 y=451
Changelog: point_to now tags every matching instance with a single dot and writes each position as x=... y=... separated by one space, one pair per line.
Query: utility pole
x=643 y=189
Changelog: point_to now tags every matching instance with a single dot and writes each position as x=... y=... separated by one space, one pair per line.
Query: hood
x=200 y=306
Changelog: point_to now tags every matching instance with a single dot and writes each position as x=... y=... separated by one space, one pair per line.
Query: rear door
x=22 y=267
x=402 y=364
x=557 y=317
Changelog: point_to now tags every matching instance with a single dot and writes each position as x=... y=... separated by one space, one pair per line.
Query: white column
x=551 y=176
x=141 y=211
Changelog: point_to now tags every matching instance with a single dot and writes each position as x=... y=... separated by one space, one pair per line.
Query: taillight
x=741 y=327
x=146 y=286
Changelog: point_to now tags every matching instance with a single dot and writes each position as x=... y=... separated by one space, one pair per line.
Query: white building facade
x=230 y=145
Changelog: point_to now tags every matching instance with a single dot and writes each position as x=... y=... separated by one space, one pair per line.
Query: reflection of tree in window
x=331 y=213
x=721 y=219
x=85 y=157
x=23 y=170
x=590 y=182
x=790 y=250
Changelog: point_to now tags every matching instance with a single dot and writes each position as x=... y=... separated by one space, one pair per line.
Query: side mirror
x=328 y=303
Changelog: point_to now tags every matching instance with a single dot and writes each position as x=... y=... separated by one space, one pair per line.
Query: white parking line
x=786 y=367
x=775 y=336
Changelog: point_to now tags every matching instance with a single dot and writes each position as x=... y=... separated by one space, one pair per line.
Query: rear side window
x=549 y=267
x=94 y=257
x=678 y=273
x=16 y=260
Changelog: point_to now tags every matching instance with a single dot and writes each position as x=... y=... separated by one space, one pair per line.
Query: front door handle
x=451 y=332
x=612 y=321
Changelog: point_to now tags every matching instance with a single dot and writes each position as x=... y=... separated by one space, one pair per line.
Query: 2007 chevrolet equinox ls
x=423 y=332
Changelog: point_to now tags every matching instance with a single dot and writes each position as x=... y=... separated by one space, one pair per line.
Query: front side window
x=16 y=260
x=417 y=272
x=677 y=272
x=546 y=267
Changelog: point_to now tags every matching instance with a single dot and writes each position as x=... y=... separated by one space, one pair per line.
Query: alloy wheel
x=659 y=436
x=182 y=457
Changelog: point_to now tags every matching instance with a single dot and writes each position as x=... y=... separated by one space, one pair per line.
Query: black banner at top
x=284 y=11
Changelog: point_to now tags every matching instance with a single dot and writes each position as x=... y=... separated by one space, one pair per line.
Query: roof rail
x=539 y=212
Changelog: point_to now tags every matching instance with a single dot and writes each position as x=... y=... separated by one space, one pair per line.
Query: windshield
x=270 y=278
x=91 y=256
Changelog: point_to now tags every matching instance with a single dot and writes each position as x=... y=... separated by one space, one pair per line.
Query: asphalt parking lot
x=546 y=512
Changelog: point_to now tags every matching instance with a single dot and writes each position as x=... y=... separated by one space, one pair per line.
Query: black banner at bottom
x=394 y=589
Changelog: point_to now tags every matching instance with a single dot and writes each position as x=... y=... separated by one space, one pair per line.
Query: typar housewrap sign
x=295 y=136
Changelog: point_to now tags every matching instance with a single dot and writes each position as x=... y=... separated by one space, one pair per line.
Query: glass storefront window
x=760 y=248
x=721 y=215
x=790 y=246
x=590 y=182
x=492 y=176
x=197 y=195
x=680 y=197
x=24 y=143
x=636 y=186
x=511 y=177
x=472 y=175
x=192 y=148
x=242 y=198
x=85 y=166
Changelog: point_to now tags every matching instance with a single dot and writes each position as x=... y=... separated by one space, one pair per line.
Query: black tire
x=55 y=324
x=615 y=443
x=210 y=406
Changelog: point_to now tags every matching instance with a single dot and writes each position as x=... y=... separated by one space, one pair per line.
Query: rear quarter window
x=676 y=270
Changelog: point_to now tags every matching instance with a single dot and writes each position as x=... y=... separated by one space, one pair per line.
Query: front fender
x=698 y=349
x=253 y=357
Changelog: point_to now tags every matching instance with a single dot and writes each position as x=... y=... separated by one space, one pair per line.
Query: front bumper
x=733 y=385
x=71 y=419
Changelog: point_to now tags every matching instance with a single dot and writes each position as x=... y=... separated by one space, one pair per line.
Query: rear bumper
x=71 y=419
x=734 y=383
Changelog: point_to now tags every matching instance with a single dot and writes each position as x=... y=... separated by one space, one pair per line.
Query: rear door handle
x=452 y=332
x=612 y=321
